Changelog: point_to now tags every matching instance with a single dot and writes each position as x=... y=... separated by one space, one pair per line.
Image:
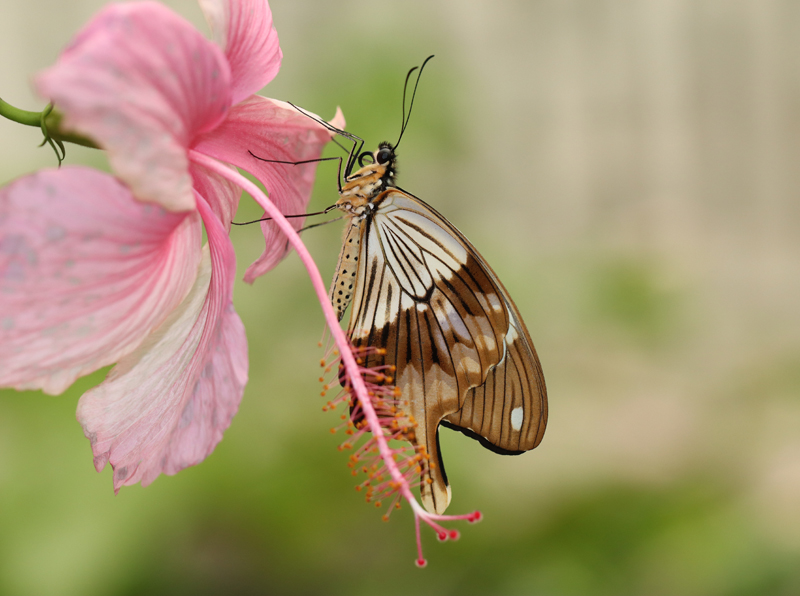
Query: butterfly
x=421 y=292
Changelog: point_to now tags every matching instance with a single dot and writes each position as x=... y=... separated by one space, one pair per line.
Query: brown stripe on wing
x=422 y=375
x=417 y=346
x=405 y=259
x=508 y=413
x=474 y=299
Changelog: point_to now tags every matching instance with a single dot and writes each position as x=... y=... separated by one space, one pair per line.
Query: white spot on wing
x=512 y=334
x=516 y=418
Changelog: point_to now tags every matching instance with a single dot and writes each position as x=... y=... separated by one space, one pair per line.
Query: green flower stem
x=48 y=119
x=21 y=116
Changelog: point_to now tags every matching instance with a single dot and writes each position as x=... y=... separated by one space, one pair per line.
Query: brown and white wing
x=462 y=354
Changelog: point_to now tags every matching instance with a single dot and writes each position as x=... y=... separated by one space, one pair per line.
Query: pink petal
x=221 y=194
x=243 y=28
x=165 y=406
x=272 y=129
x=142 y=82
x=86 y=272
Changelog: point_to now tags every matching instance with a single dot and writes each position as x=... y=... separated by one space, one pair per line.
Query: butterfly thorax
x=364 y=185
x=360 y=188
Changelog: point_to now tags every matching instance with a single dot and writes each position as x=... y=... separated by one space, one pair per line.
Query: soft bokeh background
x=632 y=172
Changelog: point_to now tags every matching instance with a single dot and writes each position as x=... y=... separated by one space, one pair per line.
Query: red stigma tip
x=442 y=536
x=421 y=563
x=454 y=535
x=475 y=517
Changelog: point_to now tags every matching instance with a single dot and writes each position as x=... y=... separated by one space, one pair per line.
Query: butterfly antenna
x=413 y=95
x=403 y=117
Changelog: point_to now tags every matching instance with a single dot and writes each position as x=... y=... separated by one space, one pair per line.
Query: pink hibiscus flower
x=96 y=269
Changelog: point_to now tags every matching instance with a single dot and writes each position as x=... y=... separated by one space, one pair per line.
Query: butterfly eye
x=384 y=156
x=363 y=156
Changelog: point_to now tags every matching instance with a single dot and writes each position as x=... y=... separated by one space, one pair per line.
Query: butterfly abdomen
x=344 y=281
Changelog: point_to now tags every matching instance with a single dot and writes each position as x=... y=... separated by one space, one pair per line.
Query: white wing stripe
x=406 y=261
x=430 y=237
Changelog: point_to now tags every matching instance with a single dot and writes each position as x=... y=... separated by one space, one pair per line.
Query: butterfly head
x=376 y=174
x=382 y=161
x=384 y=157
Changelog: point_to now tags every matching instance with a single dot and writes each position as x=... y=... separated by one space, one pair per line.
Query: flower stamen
x=411 y=460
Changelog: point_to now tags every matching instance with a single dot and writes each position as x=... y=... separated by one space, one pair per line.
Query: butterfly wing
x=462 y=354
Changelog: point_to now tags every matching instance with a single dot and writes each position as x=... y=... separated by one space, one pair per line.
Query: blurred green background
x=631 y=170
